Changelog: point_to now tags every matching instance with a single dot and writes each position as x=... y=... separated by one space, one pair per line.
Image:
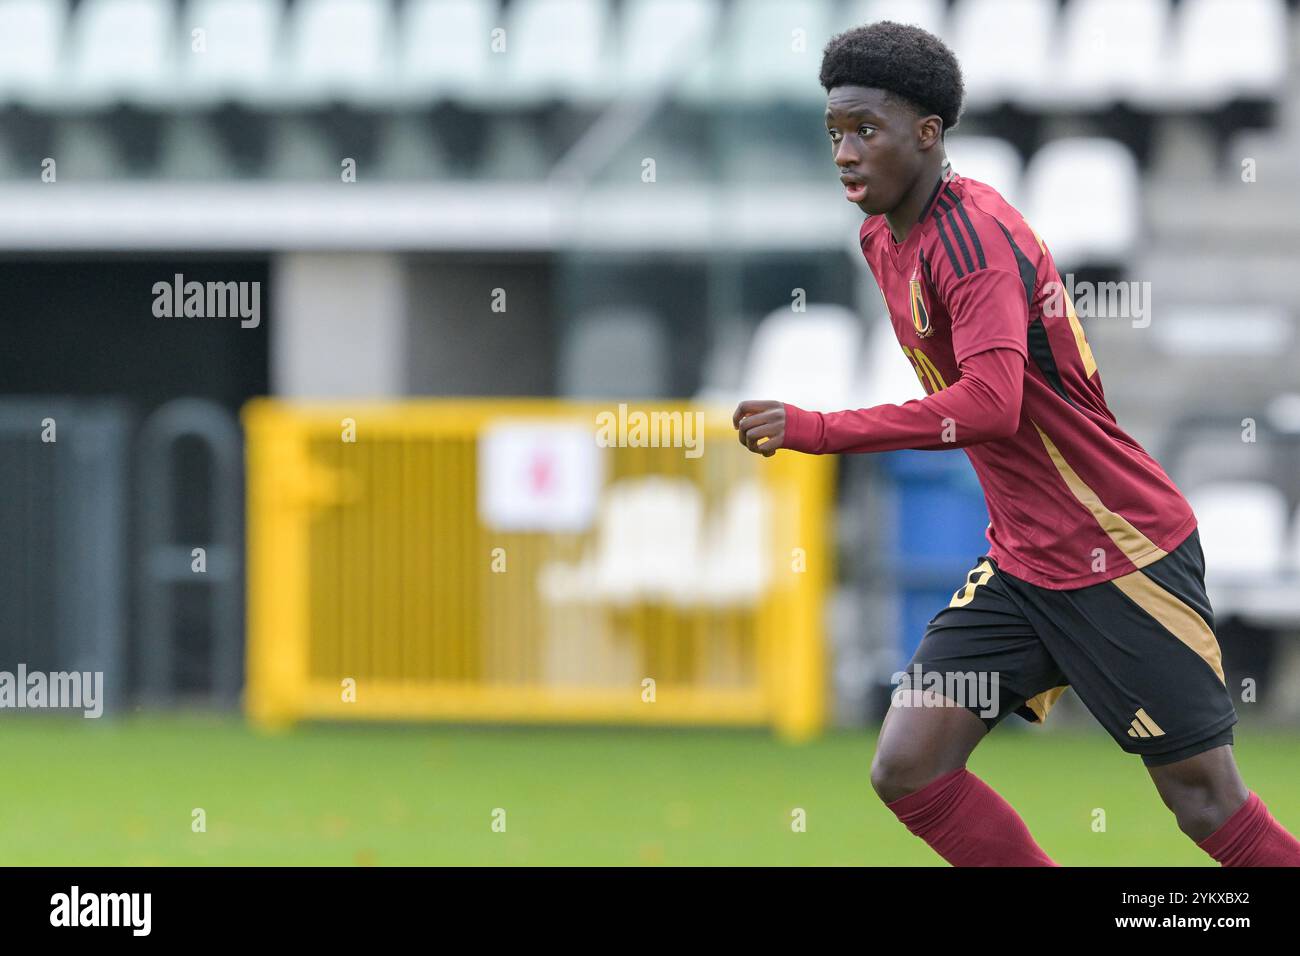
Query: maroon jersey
x=981 y=313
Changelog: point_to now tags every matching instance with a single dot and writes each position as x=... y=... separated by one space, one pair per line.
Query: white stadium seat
x=1112 y=50
x=767 y=49
x=926 y=14
x=1226 y=48
x=445 y=50
x=31 y=32
x=1223 y=329
x=988 y=159
x=1242 y=528
x=805 y=358
x=557 y=48
x=663 y=40
x=886 y=376
x=1081 y=197
x=338 y=49
x=1005 y=47
x=239 y=58
x=121 y=50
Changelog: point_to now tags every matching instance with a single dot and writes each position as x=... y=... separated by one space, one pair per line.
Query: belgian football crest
x=920 y=317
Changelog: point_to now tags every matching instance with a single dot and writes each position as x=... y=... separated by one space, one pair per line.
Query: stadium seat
x=614 y=353
x=885 y=376
x=121 y=50
x=927 y=14
x=239 y=59
x=31 y=35
x=1226 y=48
x=1110 y=50
x=1081 y=196
x=557 y=48
x=1243 y=526
x=444 y=51
x=736 y=553
x=337 y=50
x=654 y=542
x=988 y=159
x=1005 y=47
x=1223 y=329
x=805 y=358
x=769 y=50
x=661 y=41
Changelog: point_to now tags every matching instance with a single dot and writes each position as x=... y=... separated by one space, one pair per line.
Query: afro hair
x=904 y=60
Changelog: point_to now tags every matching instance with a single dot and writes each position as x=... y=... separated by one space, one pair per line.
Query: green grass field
x=79 y=792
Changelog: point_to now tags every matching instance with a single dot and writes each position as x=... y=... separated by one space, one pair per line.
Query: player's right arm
x=982 y=405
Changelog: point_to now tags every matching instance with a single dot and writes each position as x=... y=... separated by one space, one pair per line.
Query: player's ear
x=929 y=130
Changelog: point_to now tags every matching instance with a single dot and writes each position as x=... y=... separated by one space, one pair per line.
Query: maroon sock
x=968 y=824
x=1251 y=837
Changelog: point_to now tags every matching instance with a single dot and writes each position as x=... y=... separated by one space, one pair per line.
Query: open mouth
x=854 y=191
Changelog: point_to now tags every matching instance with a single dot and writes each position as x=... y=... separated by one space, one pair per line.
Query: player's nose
x=846 y=156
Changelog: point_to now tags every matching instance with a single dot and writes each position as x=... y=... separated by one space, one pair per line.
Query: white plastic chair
x=885 y=376
x=121 y=49
x=1111 y=50
x=31 y=32
x=1005 y=47
x=990 y=160
x=805 y=358
x=662 y=40
x=338 y=49
x=772 y=48
x=1243 y=526
x=929 y=15
x=239 y=59
x=1081 y=196
x=1226 y=48
x=557 y=48
x=445 y=50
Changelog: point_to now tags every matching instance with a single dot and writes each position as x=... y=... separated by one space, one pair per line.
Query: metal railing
x=489 y=560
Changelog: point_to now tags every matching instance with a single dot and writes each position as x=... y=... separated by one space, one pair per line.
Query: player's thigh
x=1141 y=653
x=979 y=661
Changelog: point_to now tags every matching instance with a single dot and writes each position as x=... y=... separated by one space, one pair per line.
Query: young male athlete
x=1093 y=576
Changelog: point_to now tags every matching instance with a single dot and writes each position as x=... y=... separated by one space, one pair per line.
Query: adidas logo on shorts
x=1144 y=726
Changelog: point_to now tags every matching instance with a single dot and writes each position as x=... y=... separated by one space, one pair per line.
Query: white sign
x=538 y=476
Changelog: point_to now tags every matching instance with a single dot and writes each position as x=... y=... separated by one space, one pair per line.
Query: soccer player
x=1094 y=573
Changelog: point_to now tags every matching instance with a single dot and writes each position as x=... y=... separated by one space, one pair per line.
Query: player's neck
x=906 y=216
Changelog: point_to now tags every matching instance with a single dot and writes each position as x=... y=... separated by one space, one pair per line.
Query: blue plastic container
x=937 y=533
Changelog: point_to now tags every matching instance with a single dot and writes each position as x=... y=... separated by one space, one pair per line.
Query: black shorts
x=1139 y=650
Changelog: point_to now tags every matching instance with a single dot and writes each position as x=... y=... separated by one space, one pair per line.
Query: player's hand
x=761 y=425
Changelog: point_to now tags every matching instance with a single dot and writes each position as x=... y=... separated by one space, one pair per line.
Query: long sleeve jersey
x=981 y=312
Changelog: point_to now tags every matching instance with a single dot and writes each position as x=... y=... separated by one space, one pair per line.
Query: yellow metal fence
x=690 y=592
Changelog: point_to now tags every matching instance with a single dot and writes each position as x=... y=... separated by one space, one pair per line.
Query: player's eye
x=866 y=130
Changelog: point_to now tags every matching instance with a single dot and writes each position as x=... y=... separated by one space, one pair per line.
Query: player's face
x=874 y=140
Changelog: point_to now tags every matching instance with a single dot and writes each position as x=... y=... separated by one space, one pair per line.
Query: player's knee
x=1199 y=810
x=1197 y=819
x=896 y=773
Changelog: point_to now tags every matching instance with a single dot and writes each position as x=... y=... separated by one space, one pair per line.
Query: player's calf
x=919 y=770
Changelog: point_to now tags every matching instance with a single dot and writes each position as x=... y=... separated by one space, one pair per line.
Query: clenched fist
x=761 y=425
